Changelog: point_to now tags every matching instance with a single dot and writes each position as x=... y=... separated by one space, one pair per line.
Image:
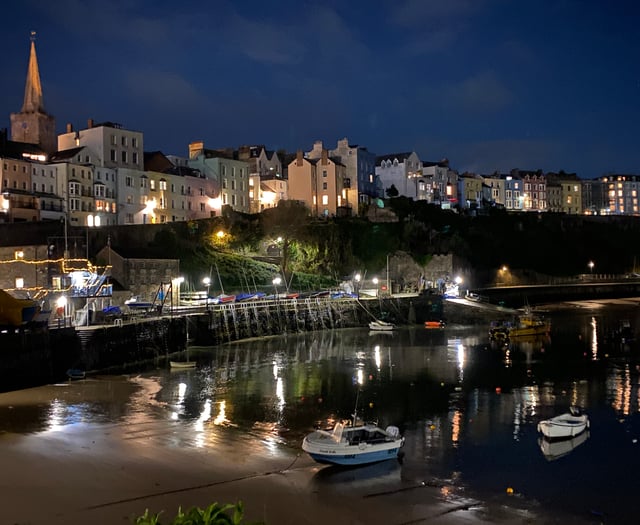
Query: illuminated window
x=18 y=254
x=19 y=282
x=325 y=200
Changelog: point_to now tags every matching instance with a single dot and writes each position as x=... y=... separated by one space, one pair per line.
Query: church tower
x=33 y=125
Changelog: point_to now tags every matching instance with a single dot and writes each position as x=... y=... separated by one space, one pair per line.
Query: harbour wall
x=30 y=357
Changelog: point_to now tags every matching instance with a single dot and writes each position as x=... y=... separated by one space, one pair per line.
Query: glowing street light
x=591 y=265
x=176 y=285
x=207 y=283
x=276 y=282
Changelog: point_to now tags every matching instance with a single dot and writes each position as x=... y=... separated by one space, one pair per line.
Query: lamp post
x=375 y=283
x=591 y=265
x=388 y=284
x=92 y=220
x=276 y=282
x=207 y=283
x=177 y=282
x=357 y=278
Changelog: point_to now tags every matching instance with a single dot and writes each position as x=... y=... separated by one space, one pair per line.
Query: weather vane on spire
x=33 y=36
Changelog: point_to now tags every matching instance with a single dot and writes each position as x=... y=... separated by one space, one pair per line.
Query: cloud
x=264 y=41
x=164 y=91
x=424 y=12
x=482 y=93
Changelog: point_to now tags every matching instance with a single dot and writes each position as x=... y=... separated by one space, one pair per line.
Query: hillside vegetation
x=317 y=253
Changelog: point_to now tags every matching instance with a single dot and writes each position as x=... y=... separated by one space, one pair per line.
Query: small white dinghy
x=381 y=326
x=564 y=426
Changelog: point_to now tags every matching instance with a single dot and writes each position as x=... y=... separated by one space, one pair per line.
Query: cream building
x=318 y=183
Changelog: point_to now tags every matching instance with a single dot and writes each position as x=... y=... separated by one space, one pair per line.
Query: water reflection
x=556 y=449
x=468 y=409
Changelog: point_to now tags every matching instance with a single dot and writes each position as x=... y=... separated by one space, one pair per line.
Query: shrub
x=214 y=514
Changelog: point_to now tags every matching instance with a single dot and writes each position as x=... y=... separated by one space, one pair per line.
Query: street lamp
x=357 y=278
x=177 y=282
x=207 y=283
x=92 y=220
x=276 y=282
x=375 y=283
x=591 y=265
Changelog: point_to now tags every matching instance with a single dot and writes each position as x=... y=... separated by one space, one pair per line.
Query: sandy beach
x=108 y=474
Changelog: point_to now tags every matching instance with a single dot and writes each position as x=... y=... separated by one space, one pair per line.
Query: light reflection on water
x=468 y=409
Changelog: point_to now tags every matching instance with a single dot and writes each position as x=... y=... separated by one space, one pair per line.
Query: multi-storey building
x=403 y=171
x=534 y=197
x=513 y=193
x=75 y=185
x=595 y=200
x=263 y=166
x=471 y=192
x=178 y=192
x=441 y=183
x=230 y=174
x=564 y=193
x=360 y=179
x=622 y=193
x=318 y=183
x=18 y=201
x=114 y=146
x=496 y=187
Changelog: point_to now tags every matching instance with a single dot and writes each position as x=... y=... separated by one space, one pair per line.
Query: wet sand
x=106 y=474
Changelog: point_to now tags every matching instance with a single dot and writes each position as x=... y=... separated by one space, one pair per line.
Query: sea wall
x=29 y=358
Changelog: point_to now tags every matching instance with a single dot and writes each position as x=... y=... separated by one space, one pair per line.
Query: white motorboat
x=353 y=445
x=564 y=426
x=381 y=326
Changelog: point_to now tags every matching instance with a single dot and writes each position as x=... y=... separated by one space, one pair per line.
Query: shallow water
x=468 y=409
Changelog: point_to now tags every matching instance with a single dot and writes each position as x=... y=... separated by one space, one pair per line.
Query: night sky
x=489 y=84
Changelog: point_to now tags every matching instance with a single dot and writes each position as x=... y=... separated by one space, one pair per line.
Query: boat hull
x=381 y=326
x=182 y=364
x=364 y=458
x=564 y=426
x=344 y=449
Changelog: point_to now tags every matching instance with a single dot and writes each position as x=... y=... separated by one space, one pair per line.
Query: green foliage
x=214 y=514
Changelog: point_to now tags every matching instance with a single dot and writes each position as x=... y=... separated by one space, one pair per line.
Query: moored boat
x=353 y=445
x=75 y=373
x=564 y=426
x=16 y=312
x=381 y=325
x=182 y=364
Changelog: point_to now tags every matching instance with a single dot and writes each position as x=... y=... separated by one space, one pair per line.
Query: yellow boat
x=528 y=325
x=16 y=312
x=524 y=325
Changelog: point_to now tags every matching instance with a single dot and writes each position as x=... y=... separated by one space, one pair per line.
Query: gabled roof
x=156 y=161
x=65 y=155
x=16 y=150
x=393 y=156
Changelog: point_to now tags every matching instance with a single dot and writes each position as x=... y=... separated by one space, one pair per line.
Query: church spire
x=33 y=101
x=33 y=125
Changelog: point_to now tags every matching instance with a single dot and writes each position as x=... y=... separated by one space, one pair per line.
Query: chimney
x=89 y=123
x=196 y=148
x=299 y=158
x=325 y=157
x=69 y=127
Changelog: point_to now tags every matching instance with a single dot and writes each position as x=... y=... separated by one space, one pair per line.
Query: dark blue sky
x=489 y=84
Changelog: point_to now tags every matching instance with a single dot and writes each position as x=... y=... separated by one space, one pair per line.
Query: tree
x=286 y=221
x=392 y=191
